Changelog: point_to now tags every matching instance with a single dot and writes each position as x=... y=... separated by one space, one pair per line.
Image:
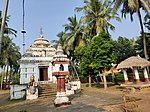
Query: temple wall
x=27 y=69
x=37 y=59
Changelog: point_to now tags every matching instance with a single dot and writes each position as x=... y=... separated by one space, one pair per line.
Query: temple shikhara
x=38 y=60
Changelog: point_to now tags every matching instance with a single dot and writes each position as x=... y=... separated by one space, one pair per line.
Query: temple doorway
x=43 y=73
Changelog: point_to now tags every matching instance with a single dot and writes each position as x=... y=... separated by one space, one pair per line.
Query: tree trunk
x=113 y=76
x=3 y=24
x=2 y=78
x=90 y=81
x=74 y=69
x=7 y=67
x=105 y=81
x=145 y=5
x=142 y=30
x=2 y=81
x=101 y=77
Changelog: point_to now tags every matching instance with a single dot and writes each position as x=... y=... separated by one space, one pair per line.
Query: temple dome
x=41 y=40
x=40 y=48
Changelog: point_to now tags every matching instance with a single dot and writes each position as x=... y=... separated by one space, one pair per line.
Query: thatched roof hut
x=133 y=61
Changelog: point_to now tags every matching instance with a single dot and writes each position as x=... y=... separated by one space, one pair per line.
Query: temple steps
x=47 y=90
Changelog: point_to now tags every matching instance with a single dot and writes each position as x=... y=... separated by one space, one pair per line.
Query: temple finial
x=41 y=31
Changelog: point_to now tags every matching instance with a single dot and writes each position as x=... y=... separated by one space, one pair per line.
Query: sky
x=51 y=15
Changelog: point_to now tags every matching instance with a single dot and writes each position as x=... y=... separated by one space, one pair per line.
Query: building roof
x=133 y=61
x=40 y=50
x=60 y=56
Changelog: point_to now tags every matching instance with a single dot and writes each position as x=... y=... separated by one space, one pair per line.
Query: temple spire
x=41 y=31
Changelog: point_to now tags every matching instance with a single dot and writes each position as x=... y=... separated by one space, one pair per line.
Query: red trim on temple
x=61 y=62
x=61 y=73
x=126 y=81
x=138 y=81
x=147 y=80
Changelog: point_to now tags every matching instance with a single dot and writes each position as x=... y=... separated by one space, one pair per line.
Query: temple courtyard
x=94 y=99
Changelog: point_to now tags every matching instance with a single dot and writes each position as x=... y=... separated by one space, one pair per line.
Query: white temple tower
x=37 y=60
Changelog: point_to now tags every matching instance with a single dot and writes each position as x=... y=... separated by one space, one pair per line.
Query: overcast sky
x=51 y=15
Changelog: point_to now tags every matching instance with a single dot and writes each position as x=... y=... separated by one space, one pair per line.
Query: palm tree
x=98 y=13
x=4 y=57
x=5 y=60
x=132 y=6
x=7 y=30
x=61 y=40
x=147 y=22
x=9 y=57
x=70 y=39
x=73 y=33
x=146 y=5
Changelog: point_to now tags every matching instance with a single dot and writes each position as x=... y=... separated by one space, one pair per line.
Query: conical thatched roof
x=133 y=61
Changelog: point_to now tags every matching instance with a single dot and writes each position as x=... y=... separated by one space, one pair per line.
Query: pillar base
x=126 y=81
x=61 y=99
x=146 y=80
x=138 y=81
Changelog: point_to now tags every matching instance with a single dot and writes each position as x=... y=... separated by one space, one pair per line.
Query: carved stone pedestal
x=61 y=97
x=30 y=96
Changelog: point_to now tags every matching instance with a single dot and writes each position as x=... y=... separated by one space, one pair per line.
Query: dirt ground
x=88 y=100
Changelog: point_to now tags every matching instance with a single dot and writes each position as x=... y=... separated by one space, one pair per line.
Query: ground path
x=89 y=100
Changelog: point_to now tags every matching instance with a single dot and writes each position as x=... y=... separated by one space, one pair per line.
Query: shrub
x=119 y=78
x=141 y=77
x=15 y=78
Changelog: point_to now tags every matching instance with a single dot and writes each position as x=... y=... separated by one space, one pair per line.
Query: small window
x=25 y=75
x=61 y=68
x=25 y=69
x=33 y=69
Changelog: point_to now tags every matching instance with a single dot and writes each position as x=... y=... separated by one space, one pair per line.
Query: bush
x=119 y=78
x=83 y=79
x=141 y=77
x=109 y=78
x=15 y=78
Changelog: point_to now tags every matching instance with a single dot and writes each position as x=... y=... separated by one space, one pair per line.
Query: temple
x=38 y=60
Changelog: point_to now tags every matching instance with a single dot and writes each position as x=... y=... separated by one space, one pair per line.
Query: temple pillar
x=62 y=80
x=58 y=85
x=136 y=75
x=61 y=97
x=50 y=72
x=125 y=76
x=146 y=75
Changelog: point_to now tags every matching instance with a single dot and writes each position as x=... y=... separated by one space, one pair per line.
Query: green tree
x=70 y=39
x=139 y=45
x=124 y=48
x=96 y=56
x=97 y=14
x=9 y=58
x=61 y=40
x=73 y=33
x=10 y=52
x=132 y=6
x=147 y=22
x=7 y=30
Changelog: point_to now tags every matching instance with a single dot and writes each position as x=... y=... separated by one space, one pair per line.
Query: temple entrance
x=43 y=73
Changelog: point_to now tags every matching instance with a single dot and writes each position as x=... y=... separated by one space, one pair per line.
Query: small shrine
x=60 y=63
x=134 y=63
